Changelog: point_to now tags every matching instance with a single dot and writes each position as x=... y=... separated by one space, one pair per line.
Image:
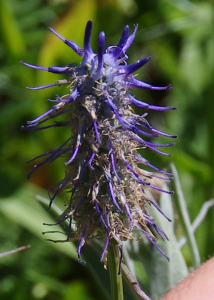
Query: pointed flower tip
x=87 y=39
x=137 y=65
x=89 y=23
x=101 y=39
x=88 y=28
x=53 y=31
x=136 y=26
x=125 y=33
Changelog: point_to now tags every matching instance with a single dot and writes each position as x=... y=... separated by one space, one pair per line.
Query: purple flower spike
x=104 y=170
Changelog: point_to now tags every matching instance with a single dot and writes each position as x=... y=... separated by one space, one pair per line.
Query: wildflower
x=107 y=188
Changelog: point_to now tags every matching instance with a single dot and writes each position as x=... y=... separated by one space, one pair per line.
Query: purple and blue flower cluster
x=108 y=198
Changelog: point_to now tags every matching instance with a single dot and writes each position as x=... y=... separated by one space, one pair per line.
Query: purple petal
x=158 y=208
x=54 y=154
x=73 y=155
x=145 y=105
x=115 y=52
x=161 y=190
x=144 y=182
x=145 y=162
x=130 y=39
x=106 y=246
x=146 y=133
x=81 y=243
x=123 y=122
x=96 y=132
x=88 y=53
x=58 y=124
x=73 y=192
x=162 y=177
x=101 y=47
x=57 y=70
x=43 y=115
x=100 y=215
x=113 y=196
x=129 y=69
x=71 y=44
x=124 y=37
x=160 y=145
x=129 y=215
x=164 y=134
x=143 y=85
x=112 y=158
x=158 y=151
x=161 y=233
x=151 y=240
x=90 y=160
x=42 y=87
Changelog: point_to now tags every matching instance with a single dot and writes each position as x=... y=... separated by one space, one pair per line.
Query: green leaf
x=163 y=274
x=23 y=209
x=10 y=30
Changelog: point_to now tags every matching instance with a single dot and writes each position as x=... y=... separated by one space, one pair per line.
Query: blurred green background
x=179 y=35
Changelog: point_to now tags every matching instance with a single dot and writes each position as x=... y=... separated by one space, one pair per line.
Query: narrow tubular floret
x=105 y=187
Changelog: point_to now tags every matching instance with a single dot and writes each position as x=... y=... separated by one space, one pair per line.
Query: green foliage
x=179 y=36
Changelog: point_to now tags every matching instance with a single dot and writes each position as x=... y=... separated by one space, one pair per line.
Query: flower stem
x=114 y=271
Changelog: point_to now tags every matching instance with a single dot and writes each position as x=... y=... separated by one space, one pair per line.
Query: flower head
x=107 y=187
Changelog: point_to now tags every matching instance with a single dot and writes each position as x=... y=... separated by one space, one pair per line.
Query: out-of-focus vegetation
x=179 y=35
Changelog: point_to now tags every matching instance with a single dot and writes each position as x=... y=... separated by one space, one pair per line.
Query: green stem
x=181 y=208
x=114 y=271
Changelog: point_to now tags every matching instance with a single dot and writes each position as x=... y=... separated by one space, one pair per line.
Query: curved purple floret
x=124 y=37
x=129 y=69
x=88 y=53
x=143 y=85
x=56 y=70
x=71 y=44
x=130 y=39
